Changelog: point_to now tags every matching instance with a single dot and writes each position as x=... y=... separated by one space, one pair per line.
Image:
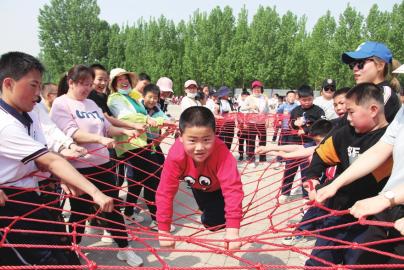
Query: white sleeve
x=394 y=128
x=55 y=138
x=185 y=104
x=16 y=144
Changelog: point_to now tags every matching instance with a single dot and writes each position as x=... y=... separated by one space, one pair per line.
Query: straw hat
x=116 y=72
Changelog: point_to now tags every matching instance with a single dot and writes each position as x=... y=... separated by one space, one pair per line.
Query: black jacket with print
x=341 y=149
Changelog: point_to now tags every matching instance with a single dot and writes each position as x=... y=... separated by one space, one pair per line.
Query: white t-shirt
x=225 y=106
x=187 y=102
x=327 y=106
x=210 y=104
x=260 y=104
x=55 y=138
x=70 y=115
x=22 y=141
x=394 y=135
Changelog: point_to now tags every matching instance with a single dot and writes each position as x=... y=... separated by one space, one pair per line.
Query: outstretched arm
x=366 y=163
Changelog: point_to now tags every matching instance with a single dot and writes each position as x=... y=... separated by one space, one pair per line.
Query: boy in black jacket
x=301 y=119
x=365 y=108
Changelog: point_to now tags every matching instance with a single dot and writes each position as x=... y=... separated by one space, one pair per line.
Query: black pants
x=377 y=233
x=291 y=167
x=226 y=133
x=212 y=206
x=32 y=256
x=276 y=132
x=242 y=137
x=335 y=255
x=146 y=167
x=253 y=131
x=103 y=178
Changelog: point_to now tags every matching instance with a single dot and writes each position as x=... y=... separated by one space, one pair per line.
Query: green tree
x=262 y=47
x=238 y=52
x=377 y=25
x=319 y=47
x=70 y=32
x=396 y=33
x=348 y=36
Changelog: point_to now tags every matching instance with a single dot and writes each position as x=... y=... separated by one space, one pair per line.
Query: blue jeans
x=340 y=255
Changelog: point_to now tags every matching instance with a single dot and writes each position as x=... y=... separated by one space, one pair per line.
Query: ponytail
x=392 y=77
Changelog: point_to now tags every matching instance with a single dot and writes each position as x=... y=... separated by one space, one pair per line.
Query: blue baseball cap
x=368 y=49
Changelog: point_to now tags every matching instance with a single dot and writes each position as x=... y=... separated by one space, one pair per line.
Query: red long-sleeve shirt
x=219 y=171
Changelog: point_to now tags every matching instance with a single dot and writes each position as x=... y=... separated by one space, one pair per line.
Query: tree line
x=216 y=48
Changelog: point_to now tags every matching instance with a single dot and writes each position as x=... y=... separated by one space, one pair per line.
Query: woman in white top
x=191 y=88
x=257 y=103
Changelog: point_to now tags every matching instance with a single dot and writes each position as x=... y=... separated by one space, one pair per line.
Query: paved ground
x=261 y=230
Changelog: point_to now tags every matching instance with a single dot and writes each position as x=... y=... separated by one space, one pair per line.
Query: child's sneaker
x=283 y=198
x=153 y=227
x=107 y=238
x=293 y=240
x=278 y=166
x=135 y=218
x=130 y=257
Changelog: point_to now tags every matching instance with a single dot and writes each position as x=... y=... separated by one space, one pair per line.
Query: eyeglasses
x=329 y=88
x=361 y=63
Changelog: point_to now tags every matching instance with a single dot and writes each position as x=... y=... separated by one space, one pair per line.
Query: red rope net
x=267 y=218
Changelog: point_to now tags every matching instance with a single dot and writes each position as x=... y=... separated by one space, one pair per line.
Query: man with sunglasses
x=325 y=100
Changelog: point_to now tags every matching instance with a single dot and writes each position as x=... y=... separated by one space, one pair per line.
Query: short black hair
x=16 y=65
x=289 y=92
x=200 y=95
x=305 y=91
x=197 y=116
x=341 y=91
x=364 y=92
x=151 y=88
x=144 y=76
x=98 y=66
x=320 y=128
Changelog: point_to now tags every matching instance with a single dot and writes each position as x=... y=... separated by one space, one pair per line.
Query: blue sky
x=19 y=30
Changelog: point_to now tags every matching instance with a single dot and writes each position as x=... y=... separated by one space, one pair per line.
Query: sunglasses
x=329 y=88
x=360 y=63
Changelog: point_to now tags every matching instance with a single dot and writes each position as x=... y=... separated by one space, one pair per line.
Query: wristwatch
x=389 y=195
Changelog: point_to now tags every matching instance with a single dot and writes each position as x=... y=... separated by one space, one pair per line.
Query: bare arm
x=366 y=163
x=284 y=148
x=117 y=131
x=69 y=175
x=85 y=137
x=300 y=153
x=123 y=123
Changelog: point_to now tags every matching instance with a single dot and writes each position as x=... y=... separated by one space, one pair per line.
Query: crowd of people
x=108 y=126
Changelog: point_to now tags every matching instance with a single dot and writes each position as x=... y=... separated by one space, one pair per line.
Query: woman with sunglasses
x=373 y=62
x=325 y=100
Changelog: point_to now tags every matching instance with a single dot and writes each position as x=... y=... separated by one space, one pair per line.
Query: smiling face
x=198 y=142
x=81 y=89
x=23 y=94
x=122 y=82
x=150 y=100
x=100 y=80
